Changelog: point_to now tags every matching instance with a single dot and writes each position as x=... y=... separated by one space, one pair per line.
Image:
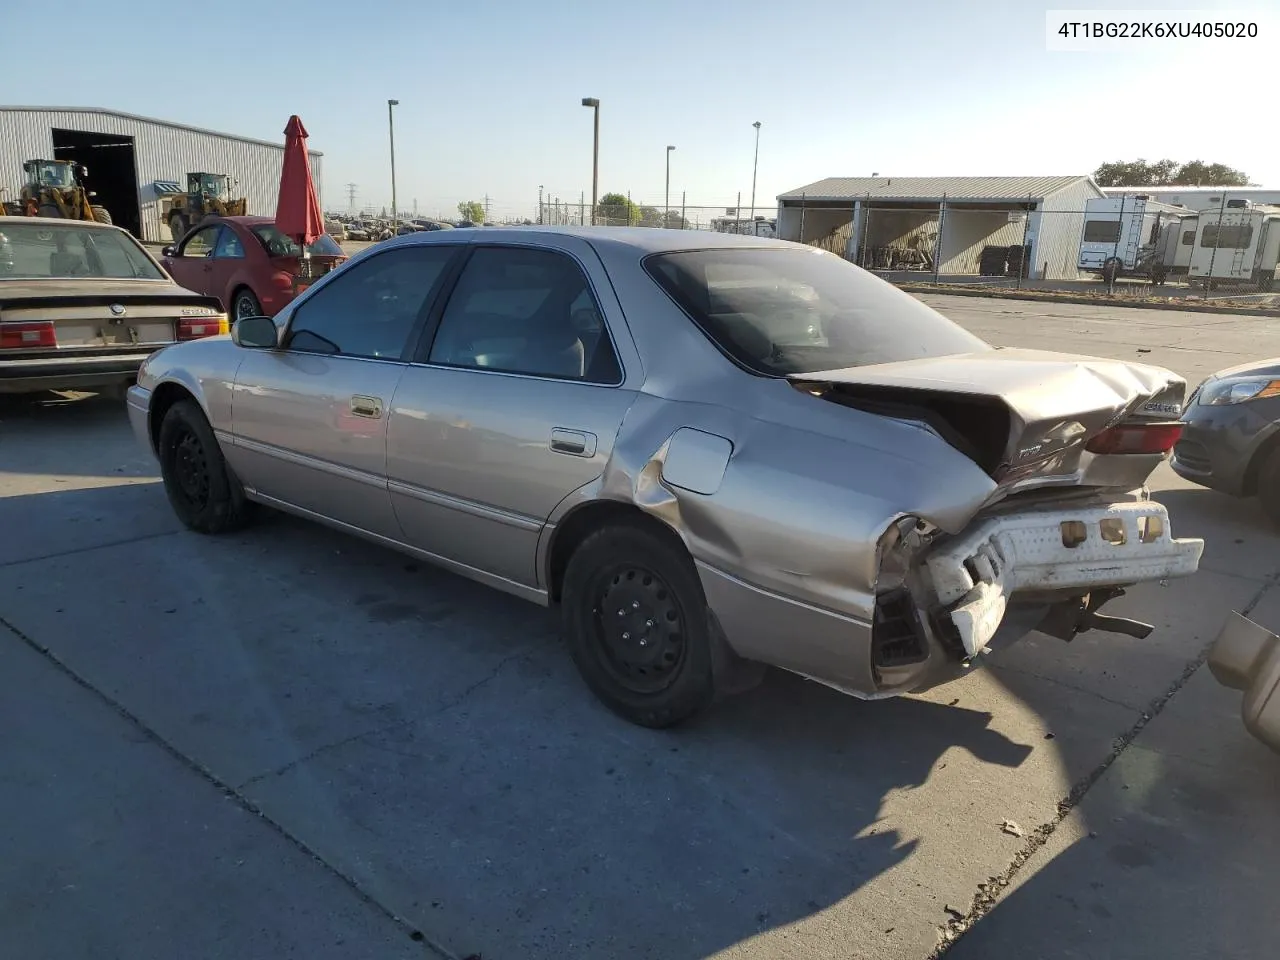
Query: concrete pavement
x=429 y=742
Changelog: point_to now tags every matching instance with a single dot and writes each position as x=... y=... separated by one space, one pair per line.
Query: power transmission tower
x=351 y=197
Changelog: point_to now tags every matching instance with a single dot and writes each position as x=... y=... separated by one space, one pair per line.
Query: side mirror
x=169 y=251
x=255 y=333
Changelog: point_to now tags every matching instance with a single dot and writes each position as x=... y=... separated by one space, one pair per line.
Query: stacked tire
x=1019 y=257
x=994 y=262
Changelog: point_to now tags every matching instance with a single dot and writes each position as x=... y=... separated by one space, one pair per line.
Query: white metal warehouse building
x=942 y=224
x=135 y=161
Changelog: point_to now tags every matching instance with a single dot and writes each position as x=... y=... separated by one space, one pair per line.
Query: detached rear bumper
x=1048 y=552
x=1247 y=657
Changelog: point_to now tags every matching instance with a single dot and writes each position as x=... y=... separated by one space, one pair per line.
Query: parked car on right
x=1231 y=435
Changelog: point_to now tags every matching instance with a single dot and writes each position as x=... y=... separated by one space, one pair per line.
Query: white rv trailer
x=1123 y=236
x=1238 y=242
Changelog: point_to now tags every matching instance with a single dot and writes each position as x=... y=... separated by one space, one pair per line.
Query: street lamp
x=666 y=203
x=391 y=130
x=594 y=104
x=539 y=204
x=755 y=164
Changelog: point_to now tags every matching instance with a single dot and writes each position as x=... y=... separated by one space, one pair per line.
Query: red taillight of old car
x=196 y=328
x=27 y=336
x=1149 y=438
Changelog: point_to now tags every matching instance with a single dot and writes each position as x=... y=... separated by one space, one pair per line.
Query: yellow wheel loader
x=208 y=195
x=53 y=189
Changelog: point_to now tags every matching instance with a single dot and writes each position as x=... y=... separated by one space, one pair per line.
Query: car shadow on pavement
x=430 y=739
x=69 y=435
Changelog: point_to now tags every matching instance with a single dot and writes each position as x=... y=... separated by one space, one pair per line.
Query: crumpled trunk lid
x=1020 y=415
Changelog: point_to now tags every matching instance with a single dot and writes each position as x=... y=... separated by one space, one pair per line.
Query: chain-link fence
x=1103 y=248
x=617 y=210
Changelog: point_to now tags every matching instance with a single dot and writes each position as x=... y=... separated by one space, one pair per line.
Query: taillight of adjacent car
x=197 y=328
x=28 y=336
x=1147 y=438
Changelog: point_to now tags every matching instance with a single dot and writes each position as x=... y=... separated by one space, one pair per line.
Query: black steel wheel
x=200 y=488
x=245 y=304
x=636 y=621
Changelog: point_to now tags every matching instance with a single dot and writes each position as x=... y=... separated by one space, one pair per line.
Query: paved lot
x=286 y=743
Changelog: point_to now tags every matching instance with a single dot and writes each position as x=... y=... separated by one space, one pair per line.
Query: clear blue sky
x=490 y=91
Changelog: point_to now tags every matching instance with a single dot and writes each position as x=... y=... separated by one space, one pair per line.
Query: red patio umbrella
x=298 y=209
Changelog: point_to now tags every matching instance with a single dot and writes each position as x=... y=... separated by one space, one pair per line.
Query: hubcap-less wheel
x=247 y=306
x=639 y=628
x=191 y=470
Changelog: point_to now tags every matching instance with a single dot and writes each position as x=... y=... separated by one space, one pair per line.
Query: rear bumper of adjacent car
x=33 y=374
x=1247 y=657
x=989 y=586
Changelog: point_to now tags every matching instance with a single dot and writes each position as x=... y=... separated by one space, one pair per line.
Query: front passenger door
x=309 y=420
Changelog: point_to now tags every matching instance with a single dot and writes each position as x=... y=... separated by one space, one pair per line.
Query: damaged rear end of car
x=1067 y=444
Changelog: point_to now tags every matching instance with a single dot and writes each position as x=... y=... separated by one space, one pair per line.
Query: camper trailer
x=1237 y=243
x=1125 y=236
x=1174 y=248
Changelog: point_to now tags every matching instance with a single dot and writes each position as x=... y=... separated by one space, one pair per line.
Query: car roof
x=640 y=240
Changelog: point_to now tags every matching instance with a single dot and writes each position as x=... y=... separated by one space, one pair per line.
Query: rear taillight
x=1149 y=438
x=196 y=328
x=27 y=336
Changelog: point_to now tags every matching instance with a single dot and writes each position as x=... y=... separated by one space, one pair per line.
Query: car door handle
x=370 y=407
x=576 y=443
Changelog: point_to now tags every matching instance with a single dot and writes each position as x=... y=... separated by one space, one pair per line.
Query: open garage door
x=113 y=175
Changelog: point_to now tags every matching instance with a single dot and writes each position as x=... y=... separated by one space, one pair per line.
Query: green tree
x=616 y=210
x=1167 y=173
x=472 y=210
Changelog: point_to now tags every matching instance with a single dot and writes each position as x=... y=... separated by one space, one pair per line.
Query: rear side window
x=780 y=311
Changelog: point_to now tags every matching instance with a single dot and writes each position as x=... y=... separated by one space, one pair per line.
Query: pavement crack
x=1002 y=668
x=149 y=734
x=989 y=893
x=86 y=549
x=445 y=707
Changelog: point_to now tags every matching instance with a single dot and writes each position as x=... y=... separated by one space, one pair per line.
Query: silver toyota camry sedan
x=710 y=452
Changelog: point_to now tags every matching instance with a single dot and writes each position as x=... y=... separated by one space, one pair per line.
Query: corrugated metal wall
x=1058 y=226
x=162 y=152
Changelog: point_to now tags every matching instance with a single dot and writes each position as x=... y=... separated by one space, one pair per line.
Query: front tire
x=177 y=227
x=637 y=625
x=200 y=487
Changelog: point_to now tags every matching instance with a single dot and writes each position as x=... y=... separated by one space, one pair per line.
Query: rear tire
x=244 y=304
x=201 y=489
x=1269 y=486
x=637 y=625
x=101 y=215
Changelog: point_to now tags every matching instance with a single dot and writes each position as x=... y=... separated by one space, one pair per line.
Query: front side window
x=45 y=250
x=201 y=243
x=528 y=311
x=371 y=309
x=1101 y=231
x=779 y=312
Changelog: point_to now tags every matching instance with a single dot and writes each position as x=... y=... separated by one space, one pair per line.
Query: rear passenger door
x=514 y=404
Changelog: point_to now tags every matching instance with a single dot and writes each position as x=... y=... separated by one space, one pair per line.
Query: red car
x=246 y=263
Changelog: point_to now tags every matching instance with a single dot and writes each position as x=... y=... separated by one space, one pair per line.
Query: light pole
x=666 y=203
x=391 y=130
x=539 y=204
x=594 y=104
x=755 y=165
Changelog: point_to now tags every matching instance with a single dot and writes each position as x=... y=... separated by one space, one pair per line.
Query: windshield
x=55 y=251
x=780 y=312
x=278 y=245
x=51 y=174
x=209 y=184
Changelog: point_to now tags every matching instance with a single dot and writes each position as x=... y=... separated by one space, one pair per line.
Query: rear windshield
x=279 y=245
x=780 y=312
x=55 y=251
